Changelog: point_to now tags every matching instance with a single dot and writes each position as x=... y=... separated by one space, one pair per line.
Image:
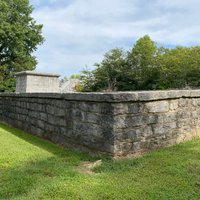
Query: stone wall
x=116 y=124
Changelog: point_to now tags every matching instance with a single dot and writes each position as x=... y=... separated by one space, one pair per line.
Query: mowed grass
x=34 y=169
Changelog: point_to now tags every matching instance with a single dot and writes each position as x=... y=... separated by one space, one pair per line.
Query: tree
x=134 y=70
x=173 y=65
x=19 y=38
x=141 y=60
x=145 y=67
x=88 y=81
x=193 y=68
x=108 y=73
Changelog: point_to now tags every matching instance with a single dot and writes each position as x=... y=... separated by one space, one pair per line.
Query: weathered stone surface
x=30 y=81
x=157 y=106
x=173 y=104
x=110 y=96
x=117 y=124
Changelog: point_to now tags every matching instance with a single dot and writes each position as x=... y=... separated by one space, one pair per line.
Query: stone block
x=167 y=117
x=163 y=128
x=183 y=102
x=61 y=122
x=157 y=106
x=51 y=119
x=173 y=105
x=41 y=124
x=50 y=109
x=43 y=116
x=59 y=112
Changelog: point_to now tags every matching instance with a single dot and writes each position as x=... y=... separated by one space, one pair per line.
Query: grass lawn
x=34 y=169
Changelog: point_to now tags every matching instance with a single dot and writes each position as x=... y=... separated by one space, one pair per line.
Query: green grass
x=34 y=169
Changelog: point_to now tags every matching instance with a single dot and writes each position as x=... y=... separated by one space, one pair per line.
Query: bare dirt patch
x=87 y=167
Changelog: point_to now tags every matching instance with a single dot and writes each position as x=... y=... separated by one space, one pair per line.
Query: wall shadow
x=47 y=145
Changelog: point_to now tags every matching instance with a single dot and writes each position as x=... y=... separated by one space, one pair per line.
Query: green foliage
x=107 y=75
x=31 y=168
x=19 y=37
x=88 y=81
x=180 y=68
x=141 y=60
x=145 y=67
x=75 y=76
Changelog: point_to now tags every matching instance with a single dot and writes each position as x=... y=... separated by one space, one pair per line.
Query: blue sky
x=79 y=32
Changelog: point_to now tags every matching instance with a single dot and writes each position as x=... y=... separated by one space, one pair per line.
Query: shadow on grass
x=20 y=180
x=47 y=145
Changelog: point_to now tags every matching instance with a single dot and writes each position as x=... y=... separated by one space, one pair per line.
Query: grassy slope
x=31 y=168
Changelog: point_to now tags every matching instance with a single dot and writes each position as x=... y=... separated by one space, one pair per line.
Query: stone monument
x=34 y=82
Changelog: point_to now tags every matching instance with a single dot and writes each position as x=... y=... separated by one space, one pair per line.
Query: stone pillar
x=34 y=82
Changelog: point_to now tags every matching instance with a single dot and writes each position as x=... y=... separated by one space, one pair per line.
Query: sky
x=79 y=32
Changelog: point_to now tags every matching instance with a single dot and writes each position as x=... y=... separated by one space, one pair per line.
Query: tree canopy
x=145 y=67
x=19 y=37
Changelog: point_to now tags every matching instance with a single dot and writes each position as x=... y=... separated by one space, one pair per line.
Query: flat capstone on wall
x=117 y=124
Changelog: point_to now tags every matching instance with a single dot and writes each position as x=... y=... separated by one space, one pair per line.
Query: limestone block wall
x=115 y=124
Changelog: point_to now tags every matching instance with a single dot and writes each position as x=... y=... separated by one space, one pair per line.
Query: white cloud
x=79 y=32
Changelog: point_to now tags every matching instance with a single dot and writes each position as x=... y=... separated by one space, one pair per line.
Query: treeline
x=144 y=67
